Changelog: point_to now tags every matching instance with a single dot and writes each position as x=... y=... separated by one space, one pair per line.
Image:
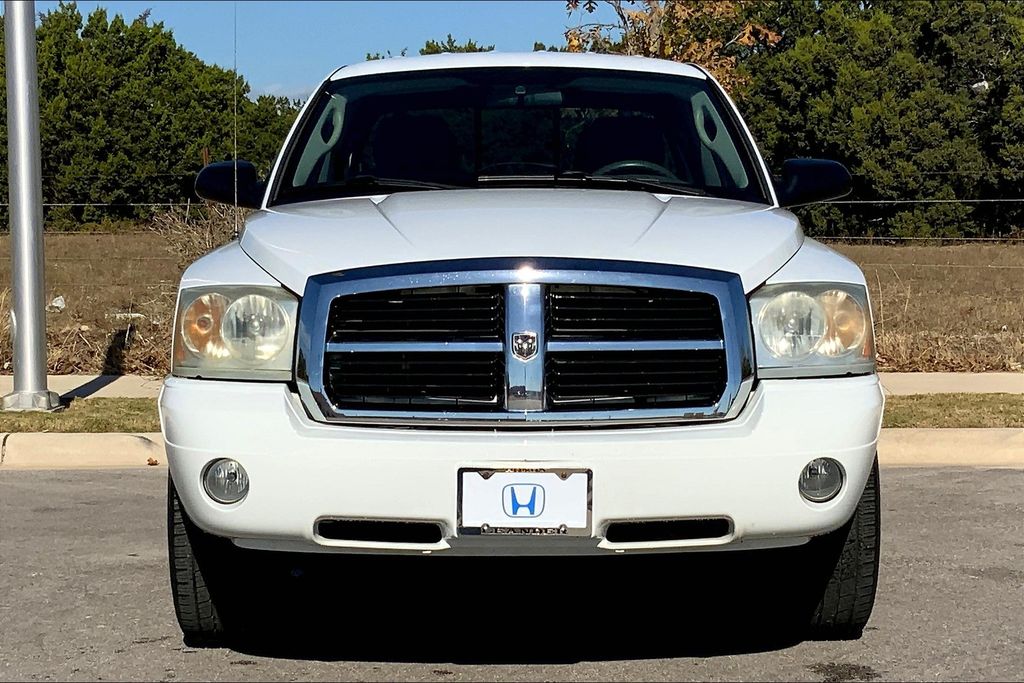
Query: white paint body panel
x=226 y=265
x=296 y=241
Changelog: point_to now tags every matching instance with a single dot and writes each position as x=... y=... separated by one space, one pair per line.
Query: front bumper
x=300 y=470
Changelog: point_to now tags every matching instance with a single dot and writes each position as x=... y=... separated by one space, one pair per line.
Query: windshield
x=518 y=127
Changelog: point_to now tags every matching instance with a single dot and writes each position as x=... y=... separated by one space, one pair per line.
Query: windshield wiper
x=372 y=181
x=633 y=183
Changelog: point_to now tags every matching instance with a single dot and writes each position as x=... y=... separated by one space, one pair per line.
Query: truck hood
x=295 y=241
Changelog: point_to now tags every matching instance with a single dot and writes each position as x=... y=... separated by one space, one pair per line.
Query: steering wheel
x=517 y=167
x=635 y=166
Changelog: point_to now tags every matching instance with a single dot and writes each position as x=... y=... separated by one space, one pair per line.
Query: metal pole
x=28 y=324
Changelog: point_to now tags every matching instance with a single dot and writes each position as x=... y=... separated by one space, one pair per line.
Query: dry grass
x=946 y=308
x=950 y=308
x=195 y=230
x=955 y=410
x=119 y=295
x=129 y=415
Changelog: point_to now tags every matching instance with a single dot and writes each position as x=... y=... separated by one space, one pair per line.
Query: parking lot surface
x=84 y=595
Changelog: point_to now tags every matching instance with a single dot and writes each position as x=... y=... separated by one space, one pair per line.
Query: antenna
x=234 y=92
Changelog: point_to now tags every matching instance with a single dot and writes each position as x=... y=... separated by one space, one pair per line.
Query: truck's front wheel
x=193 y=557
x=850 y=558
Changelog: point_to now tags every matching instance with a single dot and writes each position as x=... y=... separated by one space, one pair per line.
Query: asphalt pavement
x=84 y=595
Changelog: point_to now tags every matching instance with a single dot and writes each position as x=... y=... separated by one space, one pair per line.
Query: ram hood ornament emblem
x=524 y=345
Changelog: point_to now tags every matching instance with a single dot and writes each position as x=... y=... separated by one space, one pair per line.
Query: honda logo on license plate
x=523 y=500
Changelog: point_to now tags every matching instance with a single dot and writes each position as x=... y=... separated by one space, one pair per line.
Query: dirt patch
x=835 y=672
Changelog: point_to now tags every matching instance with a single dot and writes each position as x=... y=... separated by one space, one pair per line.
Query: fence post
x=28 y=320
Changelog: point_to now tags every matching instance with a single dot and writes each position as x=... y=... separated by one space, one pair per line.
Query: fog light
x=821 y=480
x=226 y=481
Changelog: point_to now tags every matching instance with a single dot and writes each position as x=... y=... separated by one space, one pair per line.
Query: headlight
x=234 y=332
x=256 y=329
x=847 y=324
x=812 y=330
x=200 y=326
x=792 y=325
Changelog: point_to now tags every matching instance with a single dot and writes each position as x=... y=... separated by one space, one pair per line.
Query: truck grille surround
x=524 y=343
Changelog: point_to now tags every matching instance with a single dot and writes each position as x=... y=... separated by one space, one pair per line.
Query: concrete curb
x=57 y=451
x=991 y=448
x=926 y=447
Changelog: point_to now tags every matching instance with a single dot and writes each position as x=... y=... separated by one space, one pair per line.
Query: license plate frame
x=529 y=476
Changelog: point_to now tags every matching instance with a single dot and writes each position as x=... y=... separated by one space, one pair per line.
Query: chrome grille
x=597 y=313
x=523 y=342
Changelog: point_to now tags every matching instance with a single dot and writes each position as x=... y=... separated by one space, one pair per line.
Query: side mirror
x=216 y=182
x=805 y=181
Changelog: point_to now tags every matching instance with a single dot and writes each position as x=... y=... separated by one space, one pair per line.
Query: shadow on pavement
x=89 y=388
x=523 y=610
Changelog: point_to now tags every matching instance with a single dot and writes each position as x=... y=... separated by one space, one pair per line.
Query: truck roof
x=568 y=60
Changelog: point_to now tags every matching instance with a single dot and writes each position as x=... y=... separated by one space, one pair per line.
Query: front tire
x=193 y=556
x=849 y=594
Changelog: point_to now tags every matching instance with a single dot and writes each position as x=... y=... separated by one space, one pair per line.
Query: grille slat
x=635 y=379
x=424 y=380
x=600 y=313
x=472 y=313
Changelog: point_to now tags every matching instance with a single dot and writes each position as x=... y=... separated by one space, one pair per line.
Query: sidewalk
x=905 y=383
x=96 y=386
x=895 y=383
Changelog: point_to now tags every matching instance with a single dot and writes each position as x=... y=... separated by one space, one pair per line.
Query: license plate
x=525 y=502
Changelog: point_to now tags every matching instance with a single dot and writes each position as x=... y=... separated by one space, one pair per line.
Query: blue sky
x=286 y=47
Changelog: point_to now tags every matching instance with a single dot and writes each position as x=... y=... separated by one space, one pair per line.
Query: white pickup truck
x=538 y=304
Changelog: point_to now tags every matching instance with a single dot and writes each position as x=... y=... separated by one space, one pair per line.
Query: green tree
x=886 y=88
x=434 y=47
x=126 y=112
x=541 y=47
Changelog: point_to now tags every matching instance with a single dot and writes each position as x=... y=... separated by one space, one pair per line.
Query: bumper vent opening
x=668 y=530
x=379 y=531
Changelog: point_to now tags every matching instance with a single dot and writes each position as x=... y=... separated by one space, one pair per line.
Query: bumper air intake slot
x=379 y=531
x=668 y=530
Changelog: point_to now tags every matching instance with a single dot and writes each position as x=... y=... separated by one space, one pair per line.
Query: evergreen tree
x=126 y=114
